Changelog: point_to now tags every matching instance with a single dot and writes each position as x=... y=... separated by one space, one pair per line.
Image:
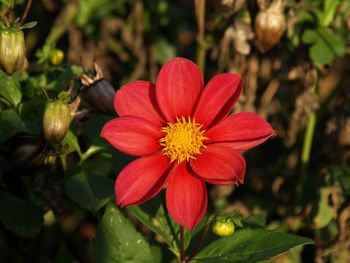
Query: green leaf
x=31 y=111
x=147 y=221
x=11 y=124
x=329 y=9
x=305 y=17
x=325 y=212
x=71 y=140
x=325 y=46
x=99 y=166
x=339 y=175
x=90 y=191
x=154 y=215
x=8 y=3
x=10 y=88
x=250 y=245
x=29 y=25
x=164 y=50
x=335 y=42
x=256 y=220
x=156 y=253
x=118 y=241
x=93 y=127
x=22 y=218
x=63 y=255
x=89 y=9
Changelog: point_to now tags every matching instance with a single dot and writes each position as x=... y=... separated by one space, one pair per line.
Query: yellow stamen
x=183 y=140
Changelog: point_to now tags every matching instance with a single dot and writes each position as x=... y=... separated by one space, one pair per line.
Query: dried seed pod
x=12 y=50
x=56 y=121
x=28 y=152
x=270 y=25
x=100 y=94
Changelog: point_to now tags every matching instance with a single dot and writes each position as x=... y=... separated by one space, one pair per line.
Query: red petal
x=186 y=197
x=138 y=99
x=219 y=164
x=141 y=179
x=218 y=98
x=178 y=86
x=132 y=135
x=241 y=131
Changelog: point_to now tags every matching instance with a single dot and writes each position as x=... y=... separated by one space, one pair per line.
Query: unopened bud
x=56 y=121
x=223 y=227
x=56 y=57
x=12 y=50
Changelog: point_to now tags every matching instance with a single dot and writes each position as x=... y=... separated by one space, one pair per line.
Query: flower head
x=184 y=137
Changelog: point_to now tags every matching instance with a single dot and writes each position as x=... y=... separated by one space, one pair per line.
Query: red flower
x=183 y=136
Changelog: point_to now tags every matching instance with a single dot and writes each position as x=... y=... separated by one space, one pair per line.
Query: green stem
x=308 y=138
x=45 y=93
x=199 y=243
x=26 y=11
x=201 y=54
x=202 y=47
x=181 y=246
x=143 y=218
x=304 y=183
x=60 y=29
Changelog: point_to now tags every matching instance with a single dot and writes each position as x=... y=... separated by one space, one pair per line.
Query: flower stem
x=26 y=11
x=199 y=243
x=202 y=47
x=308 y=138
x=65 y=19
x=304 y=180
x=181 y=246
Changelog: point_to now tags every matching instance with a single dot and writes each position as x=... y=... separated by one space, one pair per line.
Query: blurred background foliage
x=296 y=71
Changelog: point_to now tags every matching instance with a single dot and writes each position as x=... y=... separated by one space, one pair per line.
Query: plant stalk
x=304 y=180
x=199 y=243
x=202 y=47
x=182 y=246
x=26 y=11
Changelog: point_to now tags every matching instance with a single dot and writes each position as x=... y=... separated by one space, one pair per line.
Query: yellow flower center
x=183 y=140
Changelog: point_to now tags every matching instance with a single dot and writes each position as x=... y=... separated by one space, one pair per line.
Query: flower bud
x=56 y=121
x=223 y=227
x=100 y=95
x=12 y=50
x=56 y=57
x=27 y=153
x=270 y=25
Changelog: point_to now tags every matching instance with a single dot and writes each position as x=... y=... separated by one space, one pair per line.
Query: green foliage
x=118 y=241
x=326 y=15
x=164 y=51
x=21 y=217
x=11 y=124
x=29 y=25
x=10 y=89
x=89 y=9
x=250 y=245
x=339 y=176
x=90 y=191
x=325 y=46
x=8 y=3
